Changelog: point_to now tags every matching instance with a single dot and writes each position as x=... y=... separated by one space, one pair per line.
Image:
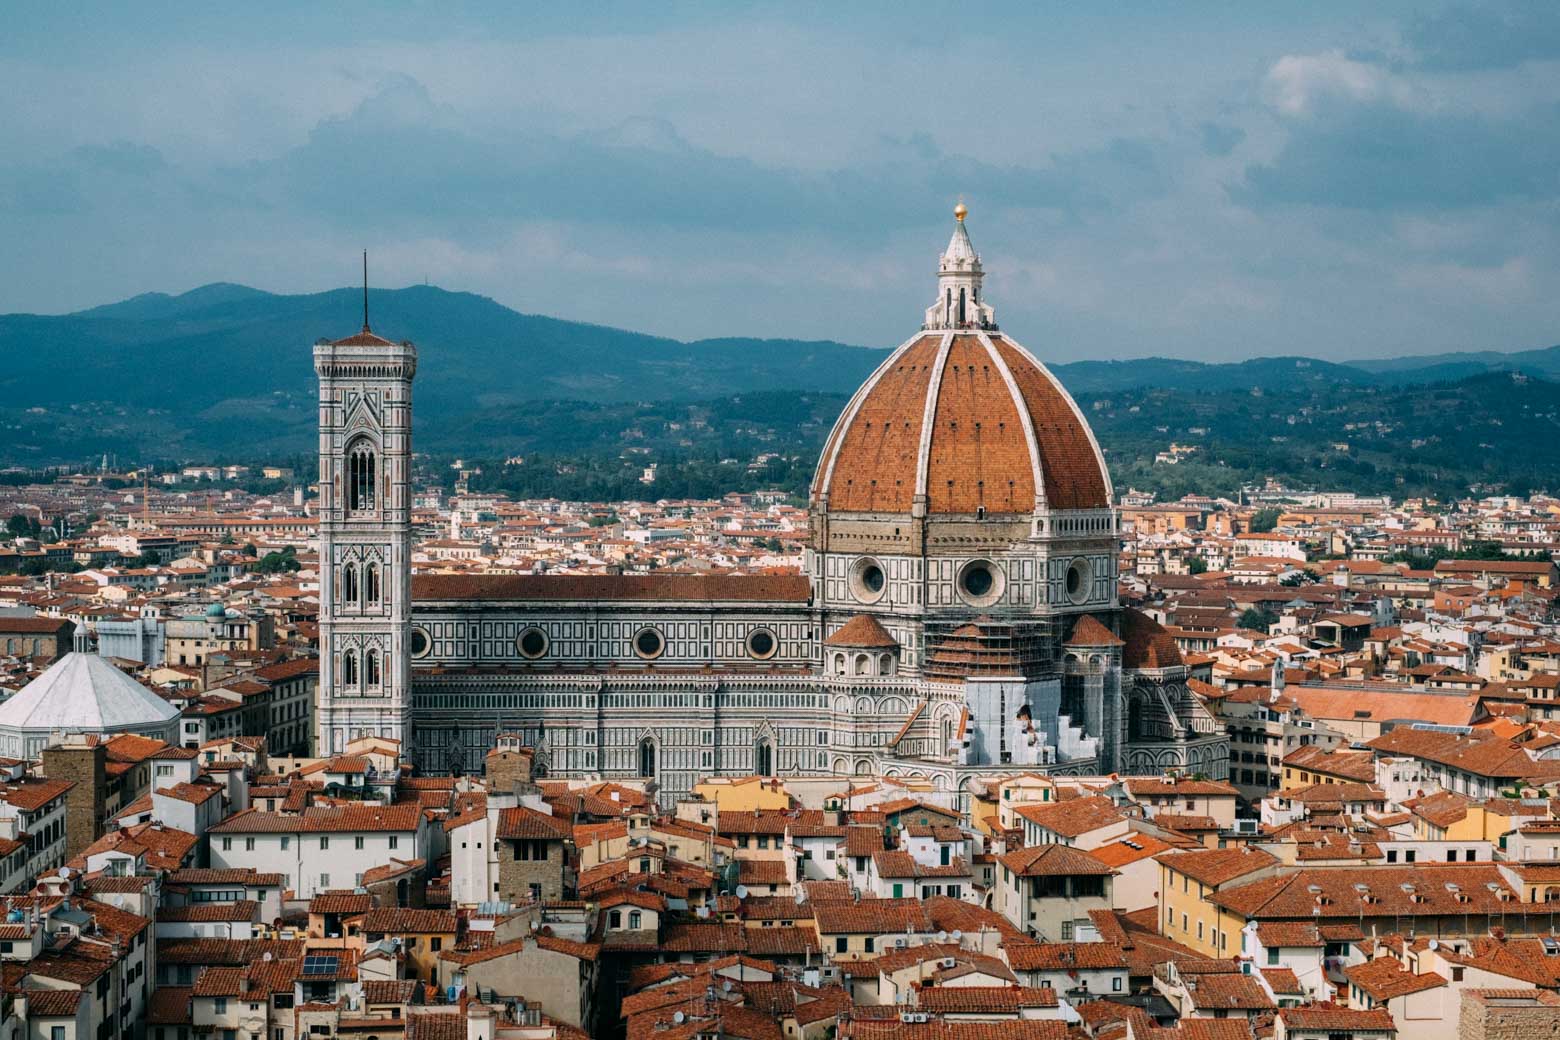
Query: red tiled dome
x=969 y=419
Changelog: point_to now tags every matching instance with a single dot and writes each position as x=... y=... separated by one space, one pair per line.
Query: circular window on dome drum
x=420 y=644
x=532 y=643
x=980 y=583
x=1079 y=576
x=867 y=580
x=649 y=643
x=761 y=644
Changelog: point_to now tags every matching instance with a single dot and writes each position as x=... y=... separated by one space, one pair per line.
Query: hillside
x=224 y=371
x=1495 y=430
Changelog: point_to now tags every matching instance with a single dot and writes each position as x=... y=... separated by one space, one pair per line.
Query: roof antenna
x=365 y=290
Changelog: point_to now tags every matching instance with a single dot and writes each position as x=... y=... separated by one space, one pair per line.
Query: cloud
x=776 y=175
x=1360 y=135
x=1218 y=139
x=403 y=159
x=1380 y=157
x=1298 y=84
x=1497 y=36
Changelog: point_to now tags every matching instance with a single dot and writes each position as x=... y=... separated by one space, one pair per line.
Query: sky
x=1212 y=181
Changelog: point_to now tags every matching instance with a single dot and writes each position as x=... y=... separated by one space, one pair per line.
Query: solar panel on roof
x=320 y=964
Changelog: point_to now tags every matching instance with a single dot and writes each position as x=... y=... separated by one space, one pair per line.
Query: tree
x=1264 y=520
x=23 y=526
x=1482 y=551
x=1260 y=620
x=1196 y=565
x=282 y=562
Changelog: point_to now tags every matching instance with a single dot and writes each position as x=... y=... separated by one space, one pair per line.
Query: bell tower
x=365 y=537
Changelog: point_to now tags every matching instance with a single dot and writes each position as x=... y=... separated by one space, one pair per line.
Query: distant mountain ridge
x=230 y=365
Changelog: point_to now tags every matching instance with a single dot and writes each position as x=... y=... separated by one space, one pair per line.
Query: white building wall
x=307 y=866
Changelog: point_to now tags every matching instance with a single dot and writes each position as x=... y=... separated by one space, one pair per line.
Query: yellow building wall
x=1186 y=916
x=744 y=795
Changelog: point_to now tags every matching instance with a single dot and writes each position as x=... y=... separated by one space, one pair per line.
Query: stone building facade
x=957 y=614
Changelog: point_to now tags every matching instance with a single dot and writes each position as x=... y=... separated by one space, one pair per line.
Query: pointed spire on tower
x=959 y=246
x=959 y=277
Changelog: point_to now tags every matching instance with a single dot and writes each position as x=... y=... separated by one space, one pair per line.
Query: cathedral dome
x=967 y=422
x=961 y=420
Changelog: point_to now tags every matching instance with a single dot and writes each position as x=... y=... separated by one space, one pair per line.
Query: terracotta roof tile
x=1089 y=632
x=864 y=631
x=1148 y=644
x=1052 y=860
x=698 y=588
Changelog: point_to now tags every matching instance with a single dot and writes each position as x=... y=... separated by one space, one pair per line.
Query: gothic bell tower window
x=362 y=473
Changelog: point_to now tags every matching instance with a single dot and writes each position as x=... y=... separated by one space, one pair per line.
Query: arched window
x=839 y=664
x=349 y=583
x=764 y=758
x=371 y=667
x=361 y=475
x=615 y=919
x=370 y=584
x=647 y=757
x=349 y=668
x=863 y=664
x=947 y=733
x=634 y=918
x=886 y=664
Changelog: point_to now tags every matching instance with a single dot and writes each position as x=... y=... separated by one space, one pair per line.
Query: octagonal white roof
x=85 y=693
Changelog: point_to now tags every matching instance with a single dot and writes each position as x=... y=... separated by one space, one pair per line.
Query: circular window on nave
x=1079 y=576
x=532 y=643
x=420 y=644
x=980 y=583
x=649 y=643
x=761 y=644
x=867 y=580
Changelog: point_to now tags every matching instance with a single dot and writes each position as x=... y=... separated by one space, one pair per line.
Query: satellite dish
x=725 y=987
x=64 y=872
x=942 y=936
x=679 y=1018
x=742 y=891
x=957 y=935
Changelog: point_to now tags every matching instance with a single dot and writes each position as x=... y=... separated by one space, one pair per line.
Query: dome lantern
x=959 y=275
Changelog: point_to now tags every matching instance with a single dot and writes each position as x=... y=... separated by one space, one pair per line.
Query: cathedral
x=956 y=616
